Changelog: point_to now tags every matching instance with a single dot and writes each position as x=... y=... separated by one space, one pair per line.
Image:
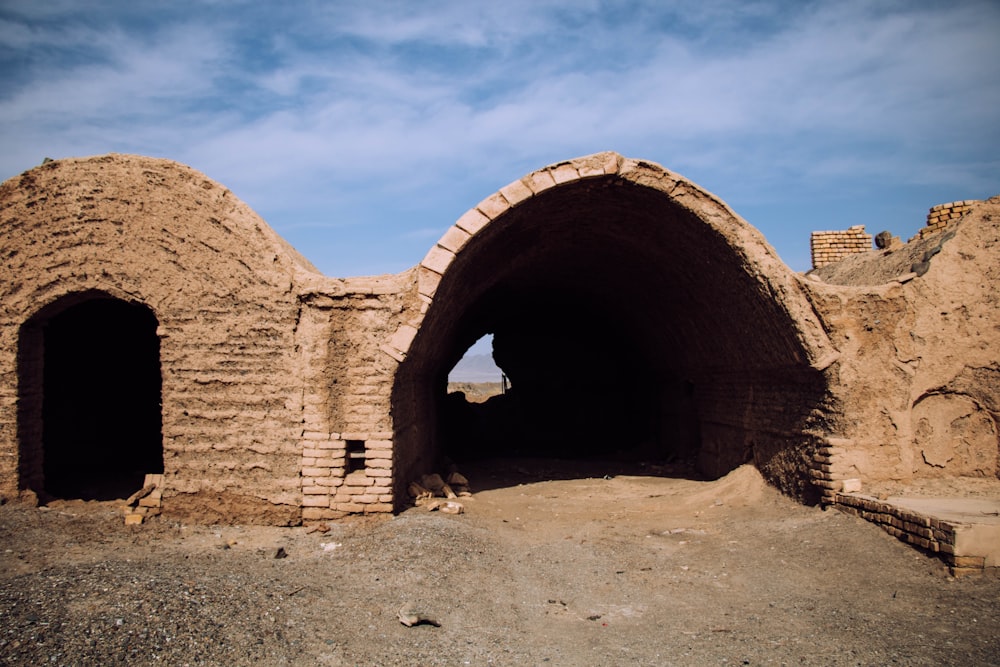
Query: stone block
x=967 y=561
x=472 y=221
x=350 y=508
x=392 y=352
x=358 y=478
x=330 y=462
x=438 y=259
x=539 y=181
x=454 y=239
x=401 y=340
x=516 y=192
x=564 y=173
x=331 y=446
x=494 y=206
x=320 y=513
x=377 y=508
x=852 y=485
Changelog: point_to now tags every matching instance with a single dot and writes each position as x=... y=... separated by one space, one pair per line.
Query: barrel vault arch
x=219 y=288
x=638 y=269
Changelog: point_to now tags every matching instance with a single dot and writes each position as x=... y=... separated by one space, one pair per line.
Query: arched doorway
x=644 y=316
x=91 y=393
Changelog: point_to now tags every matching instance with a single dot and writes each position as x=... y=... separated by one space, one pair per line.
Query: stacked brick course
x=934 y=535
x=219 y=283
x=833 y=246
x=829 y=471
x=942 y=215
x=346 y=473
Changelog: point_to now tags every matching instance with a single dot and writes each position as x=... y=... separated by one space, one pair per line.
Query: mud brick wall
x=773 y=417
x=220 y=285
x=942 y=215
x=833 y=246
x=934 y=535
x=347 y=446
x=289 y=396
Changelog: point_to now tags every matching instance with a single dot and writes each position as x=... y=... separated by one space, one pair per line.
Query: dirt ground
x=548 y=566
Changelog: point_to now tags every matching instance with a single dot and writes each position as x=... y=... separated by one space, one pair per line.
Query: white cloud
x=354 y=106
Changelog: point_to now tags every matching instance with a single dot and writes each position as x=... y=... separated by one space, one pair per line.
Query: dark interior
x=629 y=327
x=575 y=392
x=101 y=417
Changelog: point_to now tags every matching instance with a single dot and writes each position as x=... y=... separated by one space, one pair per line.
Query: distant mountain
x=475 y=368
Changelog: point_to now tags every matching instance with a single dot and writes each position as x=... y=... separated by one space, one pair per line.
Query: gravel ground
x=586 y=571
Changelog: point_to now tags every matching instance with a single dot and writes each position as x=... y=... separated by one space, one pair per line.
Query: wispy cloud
x=366 y=114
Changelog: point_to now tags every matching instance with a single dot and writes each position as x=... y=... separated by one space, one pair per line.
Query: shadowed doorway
x=101 y=385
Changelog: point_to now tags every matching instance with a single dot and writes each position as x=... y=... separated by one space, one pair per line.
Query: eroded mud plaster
x=286 y=395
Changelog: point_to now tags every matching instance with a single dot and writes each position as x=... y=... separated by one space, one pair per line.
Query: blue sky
x=361 y=131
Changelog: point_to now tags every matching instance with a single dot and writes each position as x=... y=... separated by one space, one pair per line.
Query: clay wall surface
x=220 y=285
x=918 y=379
x=286 y=395
x=347 y=455
x=667 y=274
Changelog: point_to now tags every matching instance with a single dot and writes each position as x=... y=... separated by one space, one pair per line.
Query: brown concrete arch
x=666 y=302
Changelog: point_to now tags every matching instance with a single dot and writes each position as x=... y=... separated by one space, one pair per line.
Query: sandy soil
x=586 y=570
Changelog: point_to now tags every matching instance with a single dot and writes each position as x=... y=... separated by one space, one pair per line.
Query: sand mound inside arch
x=626 y=499
x=742 y=487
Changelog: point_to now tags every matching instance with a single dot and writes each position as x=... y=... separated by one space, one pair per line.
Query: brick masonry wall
x=917 y=379
x=934 y=535
x=769 y=420
x=833 y=246
x=942 y=215
x=347 y=455
x=221 y=285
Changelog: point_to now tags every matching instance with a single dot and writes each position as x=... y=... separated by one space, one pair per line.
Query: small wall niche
x=356 y=456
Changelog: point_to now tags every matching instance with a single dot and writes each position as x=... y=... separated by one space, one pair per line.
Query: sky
x=360 y=131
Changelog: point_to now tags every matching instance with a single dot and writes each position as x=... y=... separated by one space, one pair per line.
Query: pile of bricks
x=833 y=246
x=346 y=473
x=942 y=215
x=934 y=535
x=146 y=501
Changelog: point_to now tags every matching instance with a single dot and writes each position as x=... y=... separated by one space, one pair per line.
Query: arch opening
x=90 y=392
x=575 y=392
x=634 y=327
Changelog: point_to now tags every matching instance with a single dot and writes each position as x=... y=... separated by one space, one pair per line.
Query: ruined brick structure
x=942 y=215
x=151 y=323
x=833 y=246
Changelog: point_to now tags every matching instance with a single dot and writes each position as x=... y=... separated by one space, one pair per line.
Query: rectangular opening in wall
x=355 y=455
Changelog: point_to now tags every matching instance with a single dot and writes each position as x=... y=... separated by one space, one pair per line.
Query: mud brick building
x=152 y=323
